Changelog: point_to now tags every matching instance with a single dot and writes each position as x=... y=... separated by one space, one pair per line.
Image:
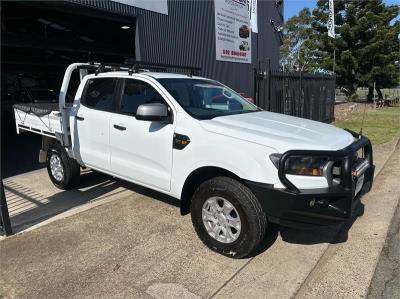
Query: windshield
x=206 y=99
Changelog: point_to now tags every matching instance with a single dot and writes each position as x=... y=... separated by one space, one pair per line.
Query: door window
x=136 y=93
x=100 y=94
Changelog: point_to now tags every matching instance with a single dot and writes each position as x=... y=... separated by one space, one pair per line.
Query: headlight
x=302 y=165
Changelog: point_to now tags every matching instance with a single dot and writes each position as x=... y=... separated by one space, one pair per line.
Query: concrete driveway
x=114 y=239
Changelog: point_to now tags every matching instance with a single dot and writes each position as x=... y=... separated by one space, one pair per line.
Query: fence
x=299 y=94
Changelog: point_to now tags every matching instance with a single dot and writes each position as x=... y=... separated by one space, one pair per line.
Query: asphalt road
x=386 y=280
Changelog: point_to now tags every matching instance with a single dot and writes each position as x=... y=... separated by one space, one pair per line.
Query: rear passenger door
x=141 y=151
x=92 y=122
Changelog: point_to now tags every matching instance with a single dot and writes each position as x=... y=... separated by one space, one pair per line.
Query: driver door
x=141 y=151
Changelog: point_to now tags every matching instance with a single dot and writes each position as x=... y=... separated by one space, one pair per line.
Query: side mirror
x=153 y=112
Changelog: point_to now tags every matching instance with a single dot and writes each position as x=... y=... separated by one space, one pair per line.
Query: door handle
x=79 y=117
x=121 y=128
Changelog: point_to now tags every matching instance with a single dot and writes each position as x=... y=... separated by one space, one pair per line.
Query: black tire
x=71 y=169
x=252 y=217
x=359 y=210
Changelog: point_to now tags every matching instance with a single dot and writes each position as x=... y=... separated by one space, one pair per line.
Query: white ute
x=234 y=167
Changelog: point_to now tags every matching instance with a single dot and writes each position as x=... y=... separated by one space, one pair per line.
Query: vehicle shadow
x=94 y=186
x=28 y=206
x=333 y=234
x=151 y=193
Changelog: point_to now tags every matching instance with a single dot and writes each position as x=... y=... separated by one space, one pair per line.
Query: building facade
x=47 y=36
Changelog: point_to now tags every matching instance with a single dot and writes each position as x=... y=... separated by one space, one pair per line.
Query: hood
x=279 y=131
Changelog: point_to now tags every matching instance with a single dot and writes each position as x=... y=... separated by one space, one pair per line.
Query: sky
x=292 y=7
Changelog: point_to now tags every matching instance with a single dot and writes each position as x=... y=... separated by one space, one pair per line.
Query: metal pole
x=334 y=59
x=256 y=76
x=4 y=217
x=255 y=94
x=299 y=103
x=268 y=73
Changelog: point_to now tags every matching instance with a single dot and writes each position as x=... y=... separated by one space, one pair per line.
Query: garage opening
x=38 y=41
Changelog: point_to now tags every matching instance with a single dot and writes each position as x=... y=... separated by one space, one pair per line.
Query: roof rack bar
x=150 y=65
x=164 y=65
x=99 y=69
x=134 y=66
x=87 y=67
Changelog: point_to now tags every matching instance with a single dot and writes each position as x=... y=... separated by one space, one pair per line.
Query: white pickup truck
x=234 y=167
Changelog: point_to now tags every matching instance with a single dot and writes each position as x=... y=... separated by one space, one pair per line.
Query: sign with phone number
x=232 y=31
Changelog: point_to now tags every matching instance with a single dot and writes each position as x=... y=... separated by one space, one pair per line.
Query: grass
x=380 y=125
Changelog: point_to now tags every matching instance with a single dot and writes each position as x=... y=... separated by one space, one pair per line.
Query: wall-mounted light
x=125 y=27
x=277 y=27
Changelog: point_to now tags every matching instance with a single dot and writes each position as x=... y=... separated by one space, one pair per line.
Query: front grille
x=336 y=175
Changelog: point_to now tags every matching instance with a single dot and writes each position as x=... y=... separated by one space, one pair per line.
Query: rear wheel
x=228 y=217
x=63 y=171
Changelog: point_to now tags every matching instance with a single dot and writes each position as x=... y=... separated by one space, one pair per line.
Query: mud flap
x=42 y=156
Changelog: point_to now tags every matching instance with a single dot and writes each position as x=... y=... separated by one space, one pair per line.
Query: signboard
x=232 y=31
x=159 y=6
x=331 y=20
x=252 y=6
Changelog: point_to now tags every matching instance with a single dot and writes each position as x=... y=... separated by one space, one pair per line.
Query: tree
x=296 y=51
x=377 y=45
x=366 y=45
x=338 y=51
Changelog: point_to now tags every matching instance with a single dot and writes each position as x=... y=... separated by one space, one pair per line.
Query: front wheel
x=228 y=217
x=63 y=170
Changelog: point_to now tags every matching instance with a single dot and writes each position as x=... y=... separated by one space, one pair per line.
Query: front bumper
x=322 y=206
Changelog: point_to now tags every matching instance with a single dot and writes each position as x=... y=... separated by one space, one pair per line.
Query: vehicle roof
x=152 y=74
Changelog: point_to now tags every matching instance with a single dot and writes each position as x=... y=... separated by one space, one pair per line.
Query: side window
x=179 y=91
x=136 y=93
x=100 y=93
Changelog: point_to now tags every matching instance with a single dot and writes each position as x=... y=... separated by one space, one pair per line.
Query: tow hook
x=319 y=203
x=324 y=203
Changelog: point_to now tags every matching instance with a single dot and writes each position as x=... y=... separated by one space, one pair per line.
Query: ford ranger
x=234 y=167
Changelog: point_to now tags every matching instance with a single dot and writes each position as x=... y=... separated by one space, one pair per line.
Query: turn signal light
x=316 y=172
x=180 y=141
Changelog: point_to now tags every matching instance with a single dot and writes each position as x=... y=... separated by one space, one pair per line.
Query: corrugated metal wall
x=187 y=36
